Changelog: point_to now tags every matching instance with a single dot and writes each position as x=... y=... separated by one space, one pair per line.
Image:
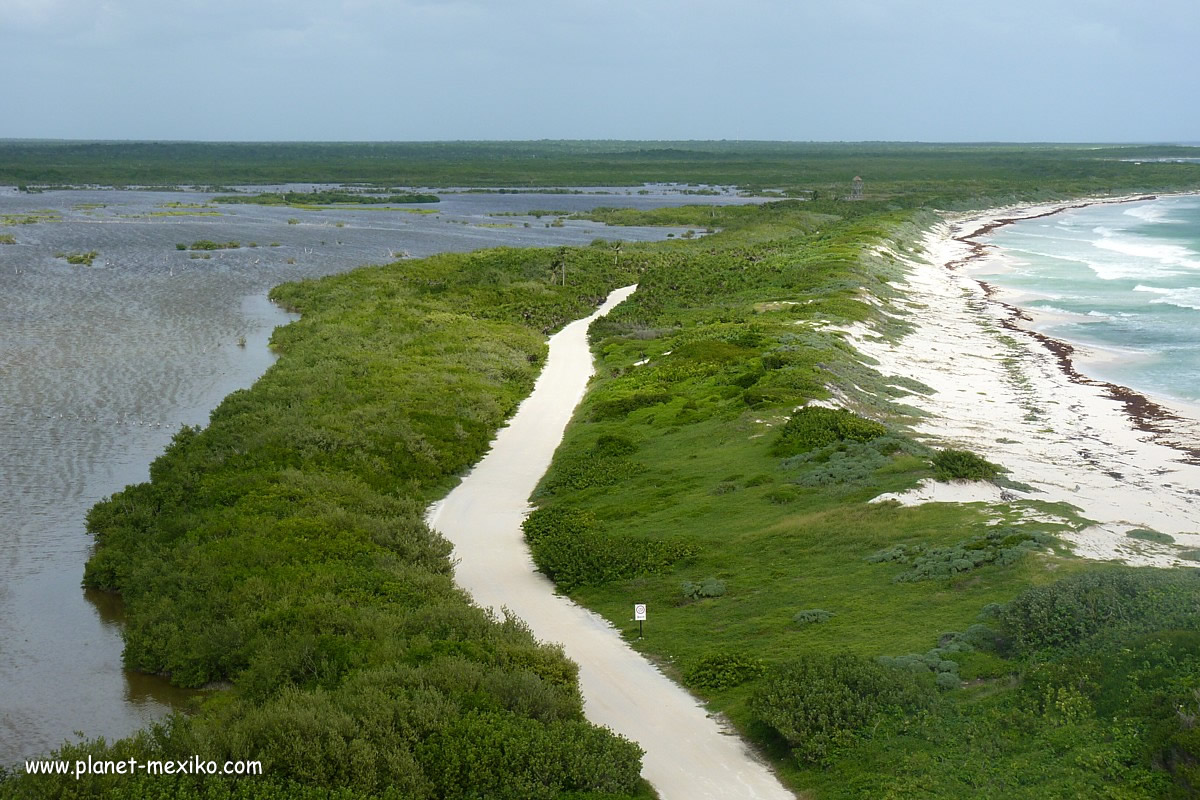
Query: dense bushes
x=511 y=758
x=1070 y=611
x=1000 y=547
x=949 y=465
x=815 y=426
x=724 y=670
x=621 y=406
x=573 y=551
x=820 y=704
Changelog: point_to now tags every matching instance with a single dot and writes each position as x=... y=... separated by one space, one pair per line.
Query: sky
x=805 y=70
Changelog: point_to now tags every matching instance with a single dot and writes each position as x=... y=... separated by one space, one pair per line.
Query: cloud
x=847 y=69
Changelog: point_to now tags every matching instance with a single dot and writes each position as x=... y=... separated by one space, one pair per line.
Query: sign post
x=639 y=614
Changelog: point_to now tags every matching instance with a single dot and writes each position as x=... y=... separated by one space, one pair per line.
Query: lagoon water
x=1123 y=280
x=100 y=365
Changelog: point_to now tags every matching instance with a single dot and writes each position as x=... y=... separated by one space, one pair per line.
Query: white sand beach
x=1007 y=393
x=689 y=755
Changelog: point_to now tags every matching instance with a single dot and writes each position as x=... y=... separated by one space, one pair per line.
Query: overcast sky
x=932 y=70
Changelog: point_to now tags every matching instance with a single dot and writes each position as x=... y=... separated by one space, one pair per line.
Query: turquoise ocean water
x=1123 y=279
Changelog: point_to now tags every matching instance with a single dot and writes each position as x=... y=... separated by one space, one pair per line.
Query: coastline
x=1124 y=460
x=1171 y=421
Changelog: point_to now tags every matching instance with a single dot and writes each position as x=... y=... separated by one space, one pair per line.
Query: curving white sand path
x=689 y=756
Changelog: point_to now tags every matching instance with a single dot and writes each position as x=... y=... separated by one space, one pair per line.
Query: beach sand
x=1023 y=400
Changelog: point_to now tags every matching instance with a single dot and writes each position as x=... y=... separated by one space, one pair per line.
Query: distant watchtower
x=856 y=188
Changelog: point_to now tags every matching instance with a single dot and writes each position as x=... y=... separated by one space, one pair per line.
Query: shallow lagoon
x=101 y=364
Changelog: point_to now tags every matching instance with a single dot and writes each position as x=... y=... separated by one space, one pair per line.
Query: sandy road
x=688 y=755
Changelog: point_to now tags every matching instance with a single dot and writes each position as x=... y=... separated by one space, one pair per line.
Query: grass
x=84 y=259
x=7 y=238
x=325 y=198
x=30 y=218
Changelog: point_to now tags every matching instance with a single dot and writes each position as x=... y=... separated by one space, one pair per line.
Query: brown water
x=100 y=365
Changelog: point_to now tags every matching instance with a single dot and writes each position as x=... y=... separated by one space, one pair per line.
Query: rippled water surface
x=1123 y=280
x=101 y=364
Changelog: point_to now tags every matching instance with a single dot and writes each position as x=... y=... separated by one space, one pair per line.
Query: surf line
x=688 y=755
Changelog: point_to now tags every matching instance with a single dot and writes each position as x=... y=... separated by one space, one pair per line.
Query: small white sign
x=639 y=612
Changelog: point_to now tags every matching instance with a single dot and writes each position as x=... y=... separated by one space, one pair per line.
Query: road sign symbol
x=639 y=612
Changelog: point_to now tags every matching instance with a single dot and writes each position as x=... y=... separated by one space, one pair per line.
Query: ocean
x=1123 y=280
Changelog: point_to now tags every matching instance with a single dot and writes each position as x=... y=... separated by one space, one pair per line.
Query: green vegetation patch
x=821 y=704
x=30 y=218
x=724 y=670
x=79 y=259
x=1001 y=547
x=1147 y=535
x=208 y=244
x=325 y=198
x=950 y=465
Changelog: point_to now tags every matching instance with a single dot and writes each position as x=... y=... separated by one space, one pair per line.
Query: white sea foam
x=1144 y=258
x=1153 y=212
x=1056 y=310
x=1187 y=297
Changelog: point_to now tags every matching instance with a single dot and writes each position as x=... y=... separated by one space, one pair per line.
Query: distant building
x=856 y=188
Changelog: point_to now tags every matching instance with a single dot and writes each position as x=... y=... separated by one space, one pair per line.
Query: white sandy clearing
x=689 y=755
x=1000 y=393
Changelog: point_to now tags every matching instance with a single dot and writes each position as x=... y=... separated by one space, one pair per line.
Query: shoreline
x=1161 y=417
x=1018 y=397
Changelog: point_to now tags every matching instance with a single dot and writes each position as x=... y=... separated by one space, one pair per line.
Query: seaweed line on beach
x=1145 y=414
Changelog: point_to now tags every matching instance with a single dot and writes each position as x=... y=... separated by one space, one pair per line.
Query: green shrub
x=821 y=704
x=604 y=464
x=1147 y=535
x=849 y=464
x=1075 y=609
x=724 y=670
x=557 y=520
x=709 y=587
x=949 y=465
x=815 y=426
x=80 y=259
x=609 y=445
x=511 y=758
x=622 y=406
x=947 y=680
x=591 y=557
x=997 y=547
x=811 y=616
x=208 y=244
